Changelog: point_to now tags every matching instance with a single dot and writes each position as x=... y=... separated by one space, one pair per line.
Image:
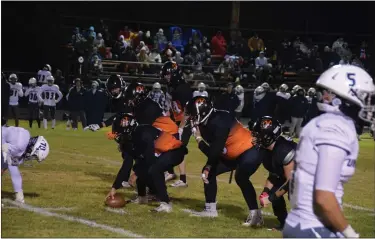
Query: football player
x=44 y=74
x=15 y=93
x=159 y=97
x=154 y=151
x=279 y=162
x=327 y=154
x=47 y=95
x=228 y=146
x=178 y=94
x=17 y=147
x=116 y=87
x=282 y=105
x=201 y=90
x=32 y=94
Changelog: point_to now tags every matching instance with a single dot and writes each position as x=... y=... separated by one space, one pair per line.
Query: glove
x=92 y=127
x=180 y=131
x=205 y=173
x=263 y=199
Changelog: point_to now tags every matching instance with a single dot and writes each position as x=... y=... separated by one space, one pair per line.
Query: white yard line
x=116 y=210
x=86 y=222
x=355 y=207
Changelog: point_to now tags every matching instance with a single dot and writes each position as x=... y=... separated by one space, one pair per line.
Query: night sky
x=32 y=32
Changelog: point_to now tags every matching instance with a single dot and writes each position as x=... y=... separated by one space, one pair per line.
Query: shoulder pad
x=289 y=157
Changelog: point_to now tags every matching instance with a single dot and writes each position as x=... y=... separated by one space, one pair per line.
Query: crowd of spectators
x=249 y=60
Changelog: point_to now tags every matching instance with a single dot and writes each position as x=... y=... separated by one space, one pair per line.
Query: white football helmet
x=156 y=86
x=353 y=85
x=266 y=86
x=259 y=93
x=13 y=78
x=311 y=92
x=50 y=80
x=201 y=86
x=39 y=150
x=283 y=88
x=32 y=81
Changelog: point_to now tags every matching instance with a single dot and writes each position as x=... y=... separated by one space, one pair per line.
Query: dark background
x=33 y=32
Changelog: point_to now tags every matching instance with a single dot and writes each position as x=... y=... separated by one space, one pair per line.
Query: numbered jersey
x=48 y=94
x=15 y=92
x=200 y=93
x=16 y=139
x=42 y=76
x=332 y=129
x=32 y=94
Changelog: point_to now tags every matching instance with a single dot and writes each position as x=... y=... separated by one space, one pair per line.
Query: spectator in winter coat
x=99 y=41
x=169 y=47
x=298 y=108
x=196 y=38
x=160 y=40
x=142 y=45
x=154 y=56
x=232 y=48
x=176 y=36
x=123 y=44
x=125 y=32
x=75 y=99
x=255 y=44
x=188 y=46
x=92 y=33
x=219 y=45
x=148 y=40
x=137 y=40
x=107 y=36
x=195 y=55
x=178 y=58
x=204 y=45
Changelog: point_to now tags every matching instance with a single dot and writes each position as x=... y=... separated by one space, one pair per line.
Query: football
x=117 y=202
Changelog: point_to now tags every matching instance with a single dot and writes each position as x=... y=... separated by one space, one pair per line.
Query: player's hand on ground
x=111 y=194
x=263 y=199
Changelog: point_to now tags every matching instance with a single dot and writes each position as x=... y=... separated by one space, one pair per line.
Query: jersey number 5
x=351 y=79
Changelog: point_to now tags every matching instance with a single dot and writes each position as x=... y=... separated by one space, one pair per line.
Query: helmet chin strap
x=204 y=120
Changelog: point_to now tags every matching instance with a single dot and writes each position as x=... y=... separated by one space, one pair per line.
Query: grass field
x=65 y=194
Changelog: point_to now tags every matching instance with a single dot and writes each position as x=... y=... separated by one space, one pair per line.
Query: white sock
x=16 y=177
x=53 y=123
x=45 y=123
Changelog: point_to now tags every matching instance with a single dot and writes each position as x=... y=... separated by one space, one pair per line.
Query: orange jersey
x=178 y=111
x=166 y=124
x=166 y=142
x=239 y=140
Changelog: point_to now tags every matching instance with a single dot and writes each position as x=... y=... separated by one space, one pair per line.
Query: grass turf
x=81 y=168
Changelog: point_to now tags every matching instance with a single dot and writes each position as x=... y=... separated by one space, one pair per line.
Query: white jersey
x=200 y=93
x=240 y=92
x=48 y=93
x=15 y=92
x=32 y=94
x=329 y=129
x=16 y=140
x=42 y=76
